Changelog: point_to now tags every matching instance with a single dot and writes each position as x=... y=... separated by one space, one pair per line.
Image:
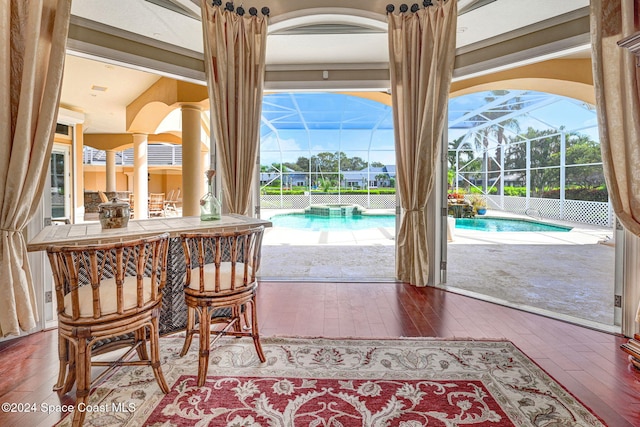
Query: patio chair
x=108 y=297
x=221 y=276
x=103 y=197
x=169 y=197
x=132 y=201
x=171 y=204
x=156 y=204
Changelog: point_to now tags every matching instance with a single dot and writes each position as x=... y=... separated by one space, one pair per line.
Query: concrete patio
x=567 y=275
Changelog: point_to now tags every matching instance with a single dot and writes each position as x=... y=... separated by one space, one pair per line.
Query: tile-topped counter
x=173 y=315
x=86 y=233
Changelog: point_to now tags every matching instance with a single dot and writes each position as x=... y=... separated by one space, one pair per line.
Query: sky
x=302 y=124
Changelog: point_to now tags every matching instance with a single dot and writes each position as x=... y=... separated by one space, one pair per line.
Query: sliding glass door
x=59 y=178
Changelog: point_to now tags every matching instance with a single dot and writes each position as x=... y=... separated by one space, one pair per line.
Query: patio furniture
x=103 y=197
x=221 y=274
x=156 y=204
x=108 y=297
x=171 y=204
x=131 y=200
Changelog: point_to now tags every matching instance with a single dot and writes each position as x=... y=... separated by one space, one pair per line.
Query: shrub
x=588 y=194
x=515 y=191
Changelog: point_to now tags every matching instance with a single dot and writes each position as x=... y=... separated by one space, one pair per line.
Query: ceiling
x=142 y=40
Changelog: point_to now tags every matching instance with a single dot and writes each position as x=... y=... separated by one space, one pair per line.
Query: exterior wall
x=95 y=179
x=160 y=181
x=164 y=181
x=173 y=182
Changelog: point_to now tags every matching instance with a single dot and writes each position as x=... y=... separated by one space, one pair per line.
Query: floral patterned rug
x=407 y=382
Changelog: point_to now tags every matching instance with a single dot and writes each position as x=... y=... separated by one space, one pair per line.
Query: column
x=111 y=171
x=140 y=176
x=192 y=171
x=77 y=176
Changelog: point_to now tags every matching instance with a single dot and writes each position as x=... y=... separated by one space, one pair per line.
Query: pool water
x=363 y=222
x=506 y=224
x=335 y=223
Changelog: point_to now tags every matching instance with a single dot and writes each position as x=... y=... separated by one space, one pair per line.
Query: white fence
x=580 y=211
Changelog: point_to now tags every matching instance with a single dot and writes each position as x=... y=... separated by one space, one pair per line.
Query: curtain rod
x=240 y=10
x=414 y=7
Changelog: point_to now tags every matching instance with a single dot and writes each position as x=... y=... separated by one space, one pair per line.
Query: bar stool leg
x=155 y=355
x=254 y=332
x=205 y=344
x=191 y=329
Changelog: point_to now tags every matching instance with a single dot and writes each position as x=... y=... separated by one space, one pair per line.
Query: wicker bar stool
x=221 y=275
x=108 y=297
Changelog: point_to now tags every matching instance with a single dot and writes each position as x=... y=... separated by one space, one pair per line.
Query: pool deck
x=561 y=274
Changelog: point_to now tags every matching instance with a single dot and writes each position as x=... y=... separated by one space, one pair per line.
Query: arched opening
x=533 y=159
x=327 y=183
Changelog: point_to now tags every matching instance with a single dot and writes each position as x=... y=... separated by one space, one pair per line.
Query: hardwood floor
x=588 y=363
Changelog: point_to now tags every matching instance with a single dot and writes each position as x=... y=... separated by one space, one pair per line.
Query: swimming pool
x=506 y=224
x=362 y=222
x=335 y=223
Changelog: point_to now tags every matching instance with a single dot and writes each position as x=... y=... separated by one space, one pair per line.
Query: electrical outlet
x=48 y=297
x=617 y=301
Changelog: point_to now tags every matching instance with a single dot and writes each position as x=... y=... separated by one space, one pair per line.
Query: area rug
x=340 y=383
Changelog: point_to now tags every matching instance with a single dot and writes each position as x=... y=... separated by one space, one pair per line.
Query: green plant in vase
x=210 y=207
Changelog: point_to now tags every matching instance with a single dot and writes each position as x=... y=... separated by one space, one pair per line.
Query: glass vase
x=210 y=207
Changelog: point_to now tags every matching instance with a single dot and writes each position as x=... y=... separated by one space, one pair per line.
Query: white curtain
x=421 y=57
x=235 y=49
x=34 y=37
x=617 y=83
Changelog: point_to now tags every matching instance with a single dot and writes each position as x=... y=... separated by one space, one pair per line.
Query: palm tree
x=496 y=128
x=325 y=185
x=459 y=159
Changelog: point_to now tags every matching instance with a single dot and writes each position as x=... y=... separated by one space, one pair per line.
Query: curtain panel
x=617 y=85
x=34 y=37
x=235 y=46
x=421 y=58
